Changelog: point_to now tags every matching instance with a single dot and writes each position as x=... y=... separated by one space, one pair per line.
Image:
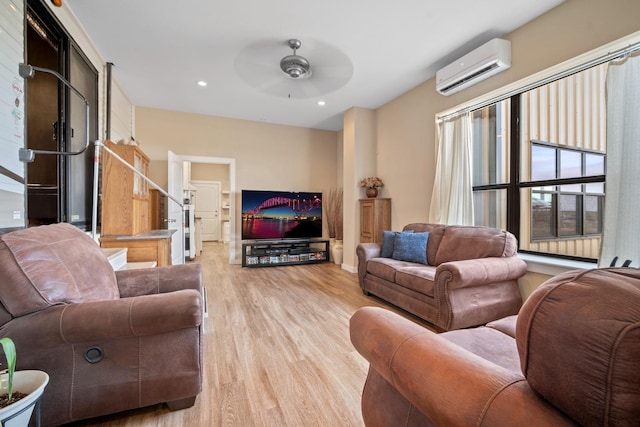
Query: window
x=569 y=210
x=491 y=169
x=539 y=164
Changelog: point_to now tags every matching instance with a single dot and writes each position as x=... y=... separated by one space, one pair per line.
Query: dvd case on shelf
x=265 y=254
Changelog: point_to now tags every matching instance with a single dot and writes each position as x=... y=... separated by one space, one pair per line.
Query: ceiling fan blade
x=256 y=73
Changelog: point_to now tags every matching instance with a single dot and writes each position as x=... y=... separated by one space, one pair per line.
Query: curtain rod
x=618 y=54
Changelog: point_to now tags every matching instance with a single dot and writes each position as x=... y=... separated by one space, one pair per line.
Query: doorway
x=175 y=171
x=58 y=187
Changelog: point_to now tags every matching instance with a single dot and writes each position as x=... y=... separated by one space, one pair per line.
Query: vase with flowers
x=371 y=185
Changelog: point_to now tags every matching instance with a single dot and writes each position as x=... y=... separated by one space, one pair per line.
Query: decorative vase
x=336 y=252
x=332 y=243
x=31 y=383
x=372 y=192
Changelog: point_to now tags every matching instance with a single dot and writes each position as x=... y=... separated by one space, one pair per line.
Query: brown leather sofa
x=110 y=341
x=471 y=276
x=570 y=357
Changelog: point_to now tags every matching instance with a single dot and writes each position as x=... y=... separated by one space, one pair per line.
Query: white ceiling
x=378 y=49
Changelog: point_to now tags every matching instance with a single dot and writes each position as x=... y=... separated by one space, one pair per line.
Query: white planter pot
x=337 y=252
x=332 y=243
x=29 y=382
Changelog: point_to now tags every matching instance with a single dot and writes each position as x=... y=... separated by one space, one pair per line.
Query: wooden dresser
x=125 y=196
x=126 y=214
x=375 y=217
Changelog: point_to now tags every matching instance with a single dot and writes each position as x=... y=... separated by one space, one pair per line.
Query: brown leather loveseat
x=570 y=357
x=110 y=341
x=468 y=277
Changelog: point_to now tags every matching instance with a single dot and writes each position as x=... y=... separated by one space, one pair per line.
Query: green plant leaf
x=10 y=353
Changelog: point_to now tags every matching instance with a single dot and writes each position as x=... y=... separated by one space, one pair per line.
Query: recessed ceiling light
x=202 y=83
x=322 y=103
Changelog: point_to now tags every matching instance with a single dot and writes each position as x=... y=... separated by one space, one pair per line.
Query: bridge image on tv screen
x=281 y=215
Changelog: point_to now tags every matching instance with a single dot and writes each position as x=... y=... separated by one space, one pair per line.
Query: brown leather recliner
x=570 y=357
x=110 y=341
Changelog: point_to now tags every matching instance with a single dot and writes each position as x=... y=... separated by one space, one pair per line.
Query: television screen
x=281 y=215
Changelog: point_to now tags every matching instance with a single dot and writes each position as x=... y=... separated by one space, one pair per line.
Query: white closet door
x=208 y=208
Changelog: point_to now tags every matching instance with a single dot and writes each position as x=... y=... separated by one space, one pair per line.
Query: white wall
x=360 y=158
x=206 y=172
x=12 y=111
x=122 y=117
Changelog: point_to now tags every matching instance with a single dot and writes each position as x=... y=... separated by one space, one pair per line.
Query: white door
x=175 y=213
x=208 y=208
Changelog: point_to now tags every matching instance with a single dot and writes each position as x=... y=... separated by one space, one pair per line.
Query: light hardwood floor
x=276 y=349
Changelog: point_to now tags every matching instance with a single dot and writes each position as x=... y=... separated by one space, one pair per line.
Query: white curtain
x=452 y=198
x=621 y=234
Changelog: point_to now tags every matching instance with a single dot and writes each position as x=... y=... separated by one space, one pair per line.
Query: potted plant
x=19 y=391
x=372 y=184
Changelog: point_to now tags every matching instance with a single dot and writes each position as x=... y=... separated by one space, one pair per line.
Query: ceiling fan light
x=295 y=66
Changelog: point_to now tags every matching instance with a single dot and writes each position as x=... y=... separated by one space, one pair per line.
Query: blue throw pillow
x=388 y=239
x=411 y=247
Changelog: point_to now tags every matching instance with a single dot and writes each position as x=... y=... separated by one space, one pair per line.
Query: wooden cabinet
x=150 y=246
x=126 y=213
x=375 y=216
x=157 y=210
x=125 y=195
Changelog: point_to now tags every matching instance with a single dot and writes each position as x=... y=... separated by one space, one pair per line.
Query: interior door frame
x=233 y=243
x=175 y=214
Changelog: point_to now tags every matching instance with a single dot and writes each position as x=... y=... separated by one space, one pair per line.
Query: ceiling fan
x=322 y=70
x=295 y=66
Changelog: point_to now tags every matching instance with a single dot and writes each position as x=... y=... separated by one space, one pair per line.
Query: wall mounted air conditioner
x=477 y=65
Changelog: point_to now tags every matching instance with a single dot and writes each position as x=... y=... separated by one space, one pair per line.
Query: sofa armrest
x=96 y=321
x=481 y=271
x=448 y=384
x=129 y=317
x=157 y=280
x=365 y=252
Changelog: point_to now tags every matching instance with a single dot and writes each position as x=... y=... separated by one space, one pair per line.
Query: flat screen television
x=281 y=215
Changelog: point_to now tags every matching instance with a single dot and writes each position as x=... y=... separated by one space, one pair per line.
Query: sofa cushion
x=506 y=325
x=489 y=343
x=388 y=242
x=578 y=337
x=411 y=247
x=385 y=268
x=436 y=231
x=466 y=242
x=419 y=278
x=41 y=267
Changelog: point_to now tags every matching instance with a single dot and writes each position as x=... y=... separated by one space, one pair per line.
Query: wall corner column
x=359 y=161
